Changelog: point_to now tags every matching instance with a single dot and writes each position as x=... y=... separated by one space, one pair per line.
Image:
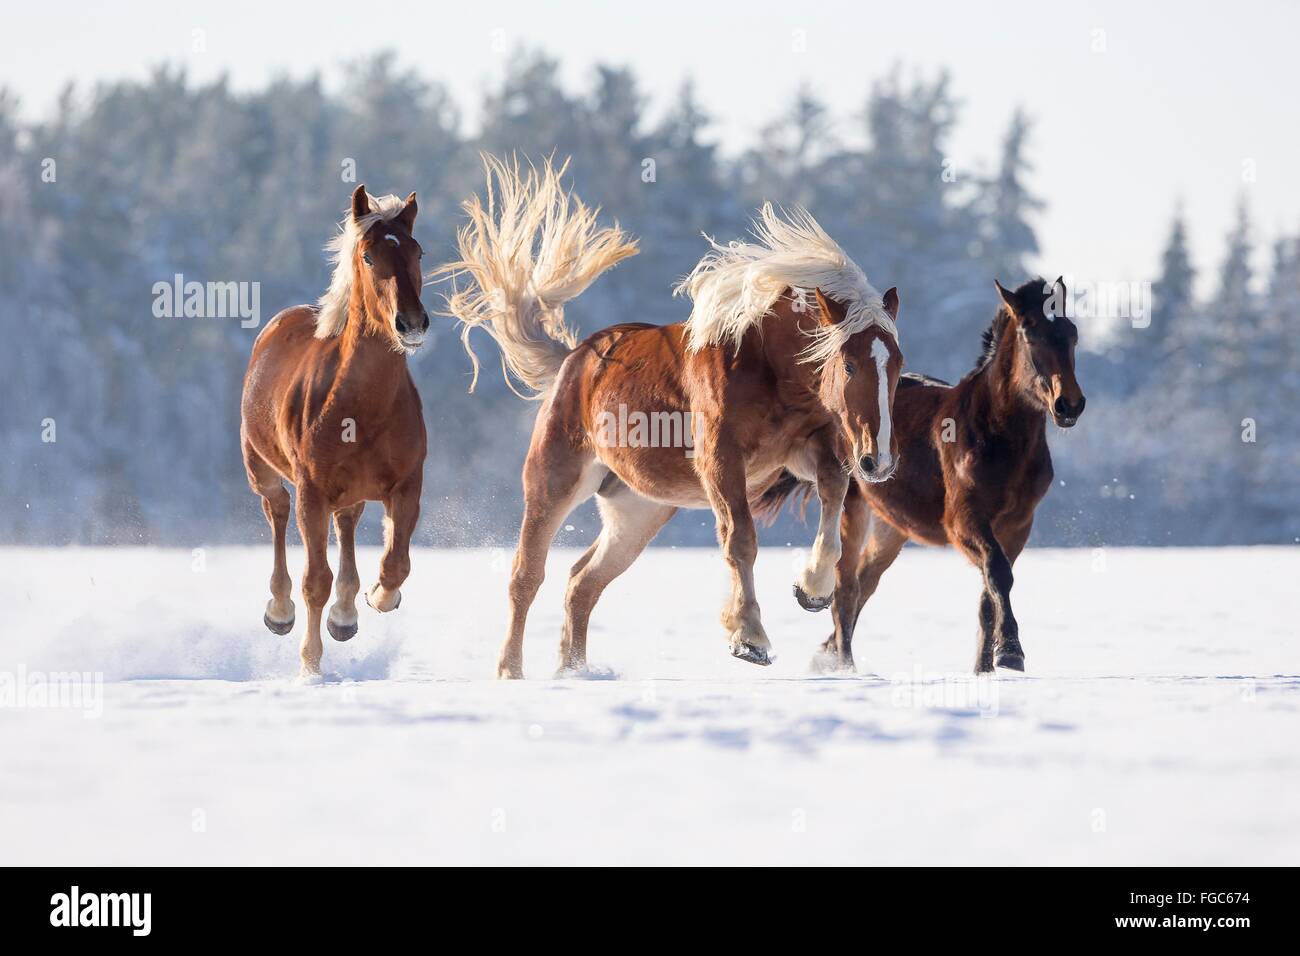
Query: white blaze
x=880 y=352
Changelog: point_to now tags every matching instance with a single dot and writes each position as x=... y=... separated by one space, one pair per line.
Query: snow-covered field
x=1158 y=722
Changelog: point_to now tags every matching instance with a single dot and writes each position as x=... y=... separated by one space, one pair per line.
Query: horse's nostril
x=402 y=327
x=1078 y=409
x=1062 y=407
x=868 y=464
x=425 y=327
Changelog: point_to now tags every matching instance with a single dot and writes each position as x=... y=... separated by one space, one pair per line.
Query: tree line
x=120 y=425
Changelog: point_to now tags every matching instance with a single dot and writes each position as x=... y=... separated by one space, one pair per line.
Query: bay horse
x=974 y=465
x=329 y=406
x=789 y=360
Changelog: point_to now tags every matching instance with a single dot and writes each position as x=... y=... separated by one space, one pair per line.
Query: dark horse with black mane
x=973 y=465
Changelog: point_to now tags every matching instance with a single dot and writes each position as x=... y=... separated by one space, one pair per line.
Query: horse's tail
x=769 y=505
x=530 y=248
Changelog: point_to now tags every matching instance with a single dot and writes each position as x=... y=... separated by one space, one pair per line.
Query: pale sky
x=1138 y=104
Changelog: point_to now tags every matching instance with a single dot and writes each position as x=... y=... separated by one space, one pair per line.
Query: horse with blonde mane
x=789 y=361
x=329 y=406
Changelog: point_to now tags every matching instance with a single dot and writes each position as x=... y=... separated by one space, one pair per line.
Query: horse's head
x=1044 y=370
x=858 y=384
x=386 y=271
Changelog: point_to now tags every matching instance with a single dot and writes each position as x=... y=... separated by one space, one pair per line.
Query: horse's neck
x=1009 y=409
x=782 y=343
x=369 y=367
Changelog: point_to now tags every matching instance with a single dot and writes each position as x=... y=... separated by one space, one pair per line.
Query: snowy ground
x=1158 y=722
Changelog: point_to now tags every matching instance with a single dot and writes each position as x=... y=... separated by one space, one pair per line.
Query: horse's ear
x=890 y=301
x=1008 y=298
x=407 y=216
x=828 y=314
x=360 y=202
x=1026 y=317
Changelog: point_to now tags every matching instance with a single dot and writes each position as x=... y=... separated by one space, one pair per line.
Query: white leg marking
x=818 y=578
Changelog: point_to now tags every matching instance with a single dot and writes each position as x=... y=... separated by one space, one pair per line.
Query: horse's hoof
x=310 y=674
x=809 y=603
x=341 y=632
x=1012 y=661
x=509 y=672
x=829 y=662
x=748 y=652
x=276 y=627
x=383 y=610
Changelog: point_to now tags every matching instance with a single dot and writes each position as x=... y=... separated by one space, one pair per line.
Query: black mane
x=1028 y=292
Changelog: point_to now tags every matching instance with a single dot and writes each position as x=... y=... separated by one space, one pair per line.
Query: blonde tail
x=529 y=250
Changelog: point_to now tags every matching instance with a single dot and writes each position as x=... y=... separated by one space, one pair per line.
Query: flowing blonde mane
x=332 y=307
x=735 y=285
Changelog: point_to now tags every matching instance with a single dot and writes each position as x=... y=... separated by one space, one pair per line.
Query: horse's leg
x=883 y=544
x=401 y=513
x=629 y=522
x=837 y=653
x=266 y=482
x=556 y=479
x=1007 y=650
x=816 y=584
x=313 y=525
x=976 y=540
x=722 y=472
x=342 y=620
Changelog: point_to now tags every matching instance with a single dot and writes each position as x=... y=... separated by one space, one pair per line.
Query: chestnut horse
x=330 y=407
x=974 y=466
x=788 y=361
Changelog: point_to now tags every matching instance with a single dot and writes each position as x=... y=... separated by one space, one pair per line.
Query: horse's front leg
x=401 y=512
x=342 y=620
x=999 y=641
x=836 y=654
x=816 y=583
x=313 y=525
x=722 y=471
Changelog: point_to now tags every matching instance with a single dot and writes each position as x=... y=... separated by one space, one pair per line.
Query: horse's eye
x=849 y=369
x=366 y=258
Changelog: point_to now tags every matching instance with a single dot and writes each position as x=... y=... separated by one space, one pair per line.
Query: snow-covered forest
x=118 y=426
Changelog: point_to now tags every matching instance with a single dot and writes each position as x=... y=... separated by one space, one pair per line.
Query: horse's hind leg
x=313 y=525
x=267 y=483
x=556 y=479
x=342 y=619
x=630 y=522
x=401 y=514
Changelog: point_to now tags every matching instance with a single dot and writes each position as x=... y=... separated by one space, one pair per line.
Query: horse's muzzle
x=1066 y=415
x=875 y=472
x=411 y=329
